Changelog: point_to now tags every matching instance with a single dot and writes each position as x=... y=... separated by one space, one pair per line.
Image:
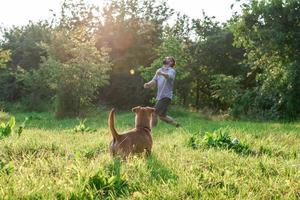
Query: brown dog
x=138 y=140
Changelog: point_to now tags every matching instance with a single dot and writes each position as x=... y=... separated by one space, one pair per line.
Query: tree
x=176 y=43
x=26 y=54
x=269 y=31
x=75 y=66
x=76 y=70
x=24 y=44
x=4 y=58
x=132 y=30
x=172 y=46
x=214 y=54
x=226 y=90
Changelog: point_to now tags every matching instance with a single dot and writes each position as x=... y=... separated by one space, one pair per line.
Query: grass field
x=50 y=161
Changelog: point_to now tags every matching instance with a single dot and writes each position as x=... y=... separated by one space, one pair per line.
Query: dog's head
x=143 y=115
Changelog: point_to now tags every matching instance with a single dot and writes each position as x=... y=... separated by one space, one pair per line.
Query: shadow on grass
x=114 y=168
x=159 y=171
x=104 y=184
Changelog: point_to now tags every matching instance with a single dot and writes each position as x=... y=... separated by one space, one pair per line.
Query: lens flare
x=132 y=72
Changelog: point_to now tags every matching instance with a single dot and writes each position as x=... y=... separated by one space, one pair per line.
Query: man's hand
x=159 y=72
x=150 y=84
x=146 y=85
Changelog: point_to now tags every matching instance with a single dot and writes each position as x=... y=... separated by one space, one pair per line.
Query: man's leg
x=158 y=108
x=169 y=120
x=161 y=108
x=154 y=120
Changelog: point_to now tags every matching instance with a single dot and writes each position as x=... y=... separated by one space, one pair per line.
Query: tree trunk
x=197 y=93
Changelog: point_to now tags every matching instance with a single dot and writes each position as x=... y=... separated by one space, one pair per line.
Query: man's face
x=170 y=62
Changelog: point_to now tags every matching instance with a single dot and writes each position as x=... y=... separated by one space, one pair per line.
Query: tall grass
x=50 y=160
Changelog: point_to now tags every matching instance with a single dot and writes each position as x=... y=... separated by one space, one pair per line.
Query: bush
x=219 y=139
x=271 y=53
x=82 y=127
x=6 y=129
x=225 y=89
x=76 y=70
x=37 y=93
x=3 y=115
x=6 y=167
x=104 y=184
x=22 y=126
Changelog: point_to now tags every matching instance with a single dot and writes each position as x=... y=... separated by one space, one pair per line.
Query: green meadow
x=50 y=160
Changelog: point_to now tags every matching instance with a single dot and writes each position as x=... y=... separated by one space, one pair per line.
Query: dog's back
x=138 y=140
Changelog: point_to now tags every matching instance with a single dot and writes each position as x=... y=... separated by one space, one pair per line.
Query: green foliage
x=78 y=78
x=37 y=93
x=132 y=30
x=82 y=127
x=3 y=115
x=176 y=43
x=214 y=56
x=72 y=164
x=170 y=46
x=214 y=47
x=6 y=167
x=6 y=129
x=174 y=47
x=193 y=142
x=4 y=58
x=76 y=67
x=23 y=44
x=219 y=139
x=268 y=30
x=225 y=89
x=105 y=185
x=22 y=126
x=248 y=66
x=11 y=83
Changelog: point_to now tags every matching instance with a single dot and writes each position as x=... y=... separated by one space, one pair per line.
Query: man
x=164 y=80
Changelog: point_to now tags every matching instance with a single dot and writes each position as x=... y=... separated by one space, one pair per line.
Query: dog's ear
x=135 y=109
x=151 y=109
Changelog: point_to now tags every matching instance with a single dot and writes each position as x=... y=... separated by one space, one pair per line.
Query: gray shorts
x=161 y=106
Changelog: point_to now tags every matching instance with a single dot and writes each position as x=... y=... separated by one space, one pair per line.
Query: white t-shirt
x=165 y=86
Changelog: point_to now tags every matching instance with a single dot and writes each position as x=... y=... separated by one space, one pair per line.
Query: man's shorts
x=161 y=106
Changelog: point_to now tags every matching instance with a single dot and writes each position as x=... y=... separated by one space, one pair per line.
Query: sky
x=20 y=12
